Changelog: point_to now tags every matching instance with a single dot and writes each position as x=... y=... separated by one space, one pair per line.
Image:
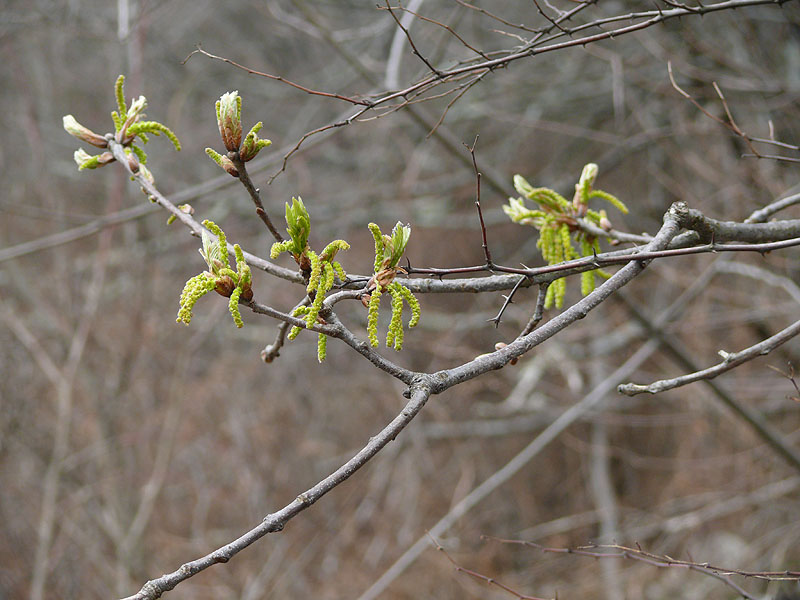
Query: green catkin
x=546 y=243
x=549 y=198
x=222 y=242
x=140 y=154
x=560 y=291
x=566 y=242
x=322 y=347
x=279 y=247
x=549 y=295
x=372 y=317
x=316 y=271
x=394 y=337
x=215 y=156
x=156 y=128
x=587 y=277
x=329 y=252
x=379 y=246
x=587 y=283
x=195 y=288
x=337 y=268
x=233 y=307
x=325 y=284
x=216 y=257
x=613 y=200
x=119 y=93
x=297 y=312
x=412 y=302
x=245 y=275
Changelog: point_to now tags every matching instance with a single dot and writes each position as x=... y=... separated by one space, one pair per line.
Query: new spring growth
x=389 y=249
x=185 y=209
x=129 y=129
x=229 y=121
x=557 y=222
x=320 y=270
x=220 y=277
x=298 y=226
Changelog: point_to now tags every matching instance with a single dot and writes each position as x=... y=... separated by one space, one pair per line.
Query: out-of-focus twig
x=730 y=361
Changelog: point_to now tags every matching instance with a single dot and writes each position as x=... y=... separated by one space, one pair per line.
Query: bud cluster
x=229 y=121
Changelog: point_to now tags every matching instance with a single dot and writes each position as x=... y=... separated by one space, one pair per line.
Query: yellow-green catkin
x=412 y=302
x=233 y=307
x=587 y=277
x=379 y=246
x=324 y=283
x=372 y=317
x=297 y=312
x=195 y=288
x=566 y=243
x=316 y=271
x=322 y=347
x=337 y=268
x=120 y=117
x=394 y=337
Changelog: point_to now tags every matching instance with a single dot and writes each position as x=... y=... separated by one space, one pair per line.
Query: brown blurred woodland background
x=130 y=444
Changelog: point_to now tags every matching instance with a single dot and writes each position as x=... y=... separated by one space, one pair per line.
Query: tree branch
x=731 y=361
x=419 y=392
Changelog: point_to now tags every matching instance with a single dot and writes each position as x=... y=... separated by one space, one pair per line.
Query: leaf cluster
x=556 y=219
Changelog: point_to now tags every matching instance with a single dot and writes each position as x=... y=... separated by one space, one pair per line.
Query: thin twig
x=438 y=24
x=274 y=522
x=771 y=157
x=188 y=220
x=659 y=560
x=272 y=351
x=302 y=88
x=509 y=299
x=578 y=265
x=763 y=214
x=731 y=124
x=538 y=45
x=255 y=195
x=411 y=43
x=731 y=361
x=485 y=244
x=552 y=21
x=500 y=19
x=484 y=578
x=752 y=418
x=499 y=477
x=538 y=312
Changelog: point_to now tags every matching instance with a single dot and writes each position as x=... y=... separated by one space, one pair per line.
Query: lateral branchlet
x=129 y=129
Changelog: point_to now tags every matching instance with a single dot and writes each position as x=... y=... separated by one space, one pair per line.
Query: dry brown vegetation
x=130 y=445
